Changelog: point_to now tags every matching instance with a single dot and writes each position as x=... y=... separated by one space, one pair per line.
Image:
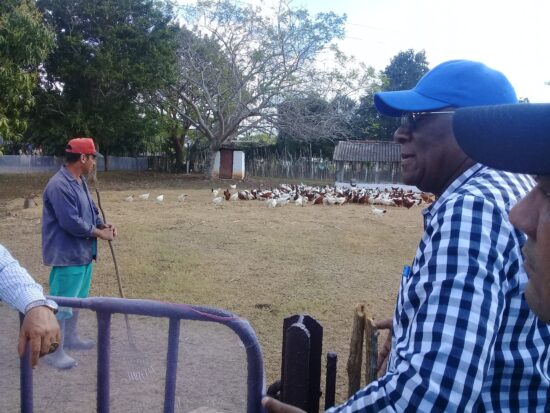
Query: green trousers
x=72 y=281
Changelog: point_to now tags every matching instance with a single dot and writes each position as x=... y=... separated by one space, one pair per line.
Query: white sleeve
x=17 y=287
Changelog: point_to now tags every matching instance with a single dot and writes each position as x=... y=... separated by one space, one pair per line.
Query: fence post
x=330 y=385
x=301 y=367
x=371 y=351
x=356 y=350
x=295 y=383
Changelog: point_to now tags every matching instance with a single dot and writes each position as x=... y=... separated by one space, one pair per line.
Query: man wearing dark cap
x=462 y=337
x=517 y=138
x=70 y=227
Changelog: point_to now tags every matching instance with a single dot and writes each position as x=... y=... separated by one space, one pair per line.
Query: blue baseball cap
x=513 y=138
x=456 y=83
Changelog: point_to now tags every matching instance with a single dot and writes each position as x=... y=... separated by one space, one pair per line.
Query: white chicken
x=181 y=197
x=215 y=192
x=301 y=201
x=282 y=201
x=271 y=203
x=234 y=196
x=233 y=186
x=144 y=196
x=217 y=201
x=129 y=198
x=160 y=198
x=377 y=211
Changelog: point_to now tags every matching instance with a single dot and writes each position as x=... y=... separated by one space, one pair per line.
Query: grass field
x=261 y=263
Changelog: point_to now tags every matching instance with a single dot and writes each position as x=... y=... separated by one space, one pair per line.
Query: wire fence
x=33 y=163
x=258 y=163
x=265 y=162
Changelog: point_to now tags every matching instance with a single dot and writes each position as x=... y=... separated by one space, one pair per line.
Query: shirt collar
x=67 y=174
x=70 y=177
x=457 y=183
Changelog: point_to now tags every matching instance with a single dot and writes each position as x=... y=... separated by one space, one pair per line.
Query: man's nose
x=524 y=216
x=402 y=134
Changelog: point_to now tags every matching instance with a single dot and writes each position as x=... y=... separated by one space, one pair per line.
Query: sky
x=512 y=36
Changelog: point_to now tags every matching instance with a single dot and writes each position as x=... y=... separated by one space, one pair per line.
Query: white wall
x=216 y=167
x=238 y=165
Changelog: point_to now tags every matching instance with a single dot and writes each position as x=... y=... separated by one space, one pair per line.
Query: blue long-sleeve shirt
x=69 y=217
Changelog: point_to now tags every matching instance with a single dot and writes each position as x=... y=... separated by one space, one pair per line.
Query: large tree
x=326 y=111
x=314 y=122
x=245 y=64
x=405 y=70
x=175 y=111
x=110 y=55
x=25 y=41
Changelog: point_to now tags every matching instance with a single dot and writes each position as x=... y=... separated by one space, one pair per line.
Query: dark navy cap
x=514 y=138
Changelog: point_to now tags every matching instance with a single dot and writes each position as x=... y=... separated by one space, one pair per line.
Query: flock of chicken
x=159 y=199
x=301 y=195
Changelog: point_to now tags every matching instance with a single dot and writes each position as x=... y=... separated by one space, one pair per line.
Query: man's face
x=88 y=163
x=532 y=216
x=430 y=156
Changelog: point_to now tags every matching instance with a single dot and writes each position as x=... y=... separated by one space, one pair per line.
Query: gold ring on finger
x=53 y=347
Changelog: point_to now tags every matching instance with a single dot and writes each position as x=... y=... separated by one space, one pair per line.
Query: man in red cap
x=70 y=227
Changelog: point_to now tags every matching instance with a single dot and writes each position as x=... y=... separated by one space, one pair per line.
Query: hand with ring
x=41 y=329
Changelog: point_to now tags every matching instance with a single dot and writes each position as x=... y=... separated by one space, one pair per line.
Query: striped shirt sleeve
x=17 y=287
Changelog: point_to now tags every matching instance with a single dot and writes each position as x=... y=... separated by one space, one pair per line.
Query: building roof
x=367 y=151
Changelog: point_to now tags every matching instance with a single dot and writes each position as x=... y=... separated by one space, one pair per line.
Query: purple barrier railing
x=105 y=307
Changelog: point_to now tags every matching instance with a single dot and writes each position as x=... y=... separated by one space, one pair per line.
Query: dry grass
x=315 y=260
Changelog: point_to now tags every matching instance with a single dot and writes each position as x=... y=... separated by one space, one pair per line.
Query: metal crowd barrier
x=105 y=307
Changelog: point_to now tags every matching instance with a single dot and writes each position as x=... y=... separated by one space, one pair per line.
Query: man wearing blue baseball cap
x=462 y=337
x=517 y=138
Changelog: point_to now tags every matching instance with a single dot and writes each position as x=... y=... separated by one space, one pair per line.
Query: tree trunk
x=106 y=159
x=209 y=167
x=177 y=141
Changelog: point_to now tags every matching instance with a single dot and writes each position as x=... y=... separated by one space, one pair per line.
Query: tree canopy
x=108 y=56
x=243 y=64
x=141 y=74
x=25 y=41
x=404 y=71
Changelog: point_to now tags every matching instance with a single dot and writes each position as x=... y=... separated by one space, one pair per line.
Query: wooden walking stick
x=131 y=340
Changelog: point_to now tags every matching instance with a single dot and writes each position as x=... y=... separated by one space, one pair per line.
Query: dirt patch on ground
x=261 y=263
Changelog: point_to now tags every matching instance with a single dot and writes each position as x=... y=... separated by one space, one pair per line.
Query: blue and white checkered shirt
x=17 y=287
x=463 y=337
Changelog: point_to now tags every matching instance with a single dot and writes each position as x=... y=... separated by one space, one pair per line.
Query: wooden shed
x=229 y=164
x=369 y=162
